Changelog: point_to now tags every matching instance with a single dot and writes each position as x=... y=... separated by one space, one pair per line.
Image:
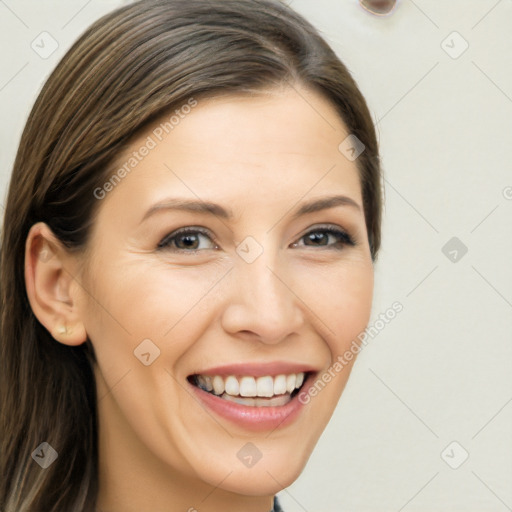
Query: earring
x=62 y=329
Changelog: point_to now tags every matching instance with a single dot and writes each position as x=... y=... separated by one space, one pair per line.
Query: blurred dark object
x=379 y=7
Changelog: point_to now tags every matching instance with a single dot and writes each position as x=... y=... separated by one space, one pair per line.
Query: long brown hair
x=130 y=67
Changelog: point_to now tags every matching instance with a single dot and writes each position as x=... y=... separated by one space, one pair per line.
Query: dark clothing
x=277 y=507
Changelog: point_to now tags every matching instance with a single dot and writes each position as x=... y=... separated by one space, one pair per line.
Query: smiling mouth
x=267 y=391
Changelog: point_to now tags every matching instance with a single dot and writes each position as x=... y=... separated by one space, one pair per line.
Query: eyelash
x=343 y=238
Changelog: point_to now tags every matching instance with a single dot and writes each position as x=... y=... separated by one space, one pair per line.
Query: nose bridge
x=267 y=305
x=265 y=282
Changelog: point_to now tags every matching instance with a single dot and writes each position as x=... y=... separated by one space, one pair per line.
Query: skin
x=261 y=156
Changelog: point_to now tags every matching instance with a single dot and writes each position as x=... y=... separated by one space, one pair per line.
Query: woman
x=188 y=247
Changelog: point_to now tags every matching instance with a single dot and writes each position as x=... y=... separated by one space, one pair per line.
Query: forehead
x=277 y=121
x=228 y=146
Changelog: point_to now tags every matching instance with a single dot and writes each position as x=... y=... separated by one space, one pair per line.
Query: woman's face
x=254 y=294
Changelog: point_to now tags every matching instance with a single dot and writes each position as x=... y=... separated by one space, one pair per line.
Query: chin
x=269 y=475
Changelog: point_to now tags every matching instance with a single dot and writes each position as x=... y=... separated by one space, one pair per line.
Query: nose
x=262 y=303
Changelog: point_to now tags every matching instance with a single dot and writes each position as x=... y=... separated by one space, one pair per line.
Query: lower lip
x=254 y=418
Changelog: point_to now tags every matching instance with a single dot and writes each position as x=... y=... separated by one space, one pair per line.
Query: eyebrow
x=181 y=204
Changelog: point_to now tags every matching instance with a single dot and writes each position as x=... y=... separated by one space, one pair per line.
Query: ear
x=52 y=289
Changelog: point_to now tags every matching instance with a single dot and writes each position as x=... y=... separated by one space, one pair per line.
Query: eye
x=328 y=236
x=187 y=240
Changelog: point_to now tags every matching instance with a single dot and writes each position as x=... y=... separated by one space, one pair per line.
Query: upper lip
x=258 y=369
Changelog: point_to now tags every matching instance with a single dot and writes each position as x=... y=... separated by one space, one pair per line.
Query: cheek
x=343 y=303
x=340 y=299
x=134 y=303
x=141 y=300
x=131 y=306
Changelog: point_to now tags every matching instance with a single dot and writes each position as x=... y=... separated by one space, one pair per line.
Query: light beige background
x=440 y=372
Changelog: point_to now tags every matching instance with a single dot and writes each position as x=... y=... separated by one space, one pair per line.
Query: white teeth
x=277 y=401
x=280 y=385
x=218 y=385
x=290 y=382
x=265 y=386
x=247 y=386
x=209 y=384
x=232 y=386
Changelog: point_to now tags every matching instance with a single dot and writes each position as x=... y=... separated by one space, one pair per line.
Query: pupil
x=315 y=237
x=190 y=240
